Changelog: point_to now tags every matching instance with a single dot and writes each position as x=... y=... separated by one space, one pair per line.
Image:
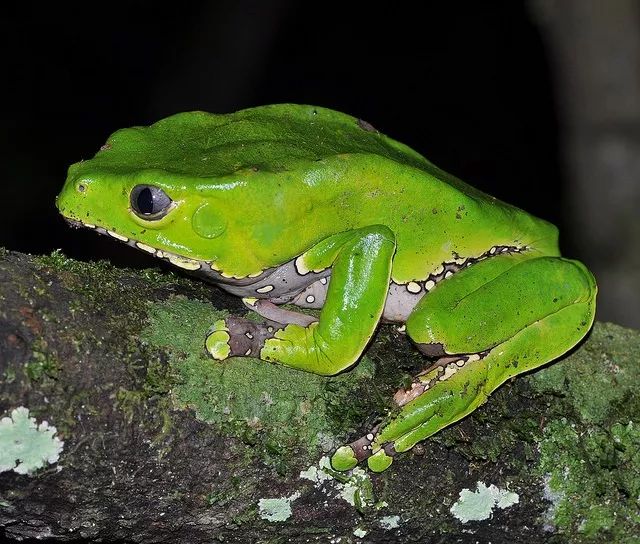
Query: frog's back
x=271 y=138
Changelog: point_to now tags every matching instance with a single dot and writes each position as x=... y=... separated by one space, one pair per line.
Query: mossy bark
x=163 y=444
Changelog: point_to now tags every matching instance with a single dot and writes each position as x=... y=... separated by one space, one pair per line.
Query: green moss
x=595 y=474
x=598 y=377
x=592 y=467
x=41 y=365
x=272 y=407
x=117 y=294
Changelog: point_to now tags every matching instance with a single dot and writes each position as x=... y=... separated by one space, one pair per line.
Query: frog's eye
x=149 y=202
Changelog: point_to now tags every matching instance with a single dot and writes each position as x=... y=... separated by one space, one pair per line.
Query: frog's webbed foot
x=237 y=337
x=437 y=396
x=379 y=457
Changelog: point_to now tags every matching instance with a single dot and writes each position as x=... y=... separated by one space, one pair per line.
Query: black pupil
x=145 y=201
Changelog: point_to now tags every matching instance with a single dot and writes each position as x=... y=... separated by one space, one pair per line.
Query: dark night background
x=468 y=84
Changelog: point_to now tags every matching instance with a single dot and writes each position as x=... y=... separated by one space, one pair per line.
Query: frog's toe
x=237 y=337
x=381 y=460
x=344 y=459
x=217 y=341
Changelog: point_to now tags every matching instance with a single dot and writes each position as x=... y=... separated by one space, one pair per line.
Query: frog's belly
x=399 y=304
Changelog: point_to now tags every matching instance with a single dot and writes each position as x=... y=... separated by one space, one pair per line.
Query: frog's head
x=149 y=187
x=152 y=210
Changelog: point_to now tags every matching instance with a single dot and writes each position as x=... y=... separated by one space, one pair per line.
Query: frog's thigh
x=484 y=305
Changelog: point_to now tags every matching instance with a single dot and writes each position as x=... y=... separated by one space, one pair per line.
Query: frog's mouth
x=207 y=270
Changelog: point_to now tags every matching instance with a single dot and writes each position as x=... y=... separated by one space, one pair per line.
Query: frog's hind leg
x=485 y=324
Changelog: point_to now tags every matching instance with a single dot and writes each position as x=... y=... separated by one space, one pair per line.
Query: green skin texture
x=261 y=187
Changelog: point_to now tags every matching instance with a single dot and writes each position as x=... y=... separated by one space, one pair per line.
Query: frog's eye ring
x=149 y=202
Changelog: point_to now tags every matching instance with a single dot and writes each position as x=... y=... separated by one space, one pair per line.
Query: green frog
x=305 y=206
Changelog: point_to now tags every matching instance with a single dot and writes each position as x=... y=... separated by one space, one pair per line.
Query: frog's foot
x=347 y=457
x=237 y=337
x=378 y=447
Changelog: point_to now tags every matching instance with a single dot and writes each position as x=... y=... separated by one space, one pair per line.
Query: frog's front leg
x=361 y=266
x=487 y=323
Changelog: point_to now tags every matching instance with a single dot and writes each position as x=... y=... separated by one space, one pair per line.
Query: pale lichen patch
x=389 y=522
x=26 y=446
x=356 y=488
x=359 y=533
x=478 y=505
x=277 y=509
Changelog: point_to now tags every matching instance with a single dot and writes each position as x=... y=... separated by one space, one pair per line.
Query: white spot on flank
x=249 y=335
x=323 y=281
x=248 y=352
x=439 y=270
x=460 y=363
x=492 y=250
x=300 y=267
x=448 y=274
x=181 y=262
x=117 y=236
x=264 y=289
x=473 y=357
x=310 y=299
x=413 y=287
x=91 y=226
x=429 y=285
x=449 y=371
x=370 y=436
x=145 y=247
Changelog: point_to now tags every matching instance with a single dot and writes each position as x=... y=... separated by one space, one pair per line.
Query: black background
x=465 y=83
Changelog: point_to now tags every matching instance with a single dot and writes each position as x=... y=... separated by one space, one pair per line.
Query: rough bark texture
x=163 y=445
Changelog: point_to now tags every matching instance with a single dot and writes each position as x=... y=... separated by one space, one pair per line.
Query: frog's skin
x=307 y=206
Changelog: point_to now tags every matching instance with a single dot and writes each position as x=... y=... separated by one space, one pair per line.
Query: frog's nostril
x=81 y=187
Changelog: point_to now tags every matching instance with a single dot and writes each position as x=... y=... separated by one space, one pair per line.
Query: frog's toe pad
x=344 y=459
x=379 y=461
x=217 y=341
